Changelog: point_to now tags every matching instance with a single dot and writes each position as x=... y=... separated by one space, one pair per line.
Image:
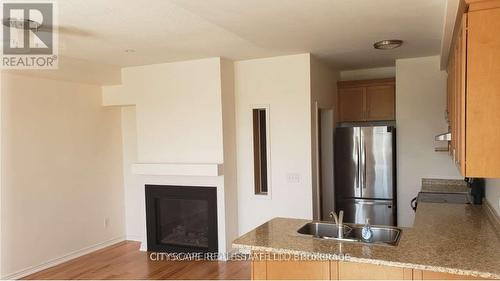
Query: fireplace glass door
x=183 y=222
x=181 y=218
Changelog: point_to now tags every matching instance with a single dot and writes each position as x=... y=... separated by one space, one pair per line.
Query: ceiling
x=340 y=31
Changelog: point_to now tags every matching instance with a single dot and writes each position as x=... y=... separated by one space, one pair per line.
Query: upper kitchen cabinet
x=366 y=100
x=352 y=104
x=474 y=91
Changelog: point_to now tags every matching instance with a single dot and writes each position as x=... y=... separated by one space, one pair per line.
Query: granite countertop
x=453 y=238
x=444 y=186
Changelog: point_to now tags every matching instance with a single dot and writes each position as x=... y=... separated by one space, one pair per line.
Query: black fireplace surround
x=181 y=219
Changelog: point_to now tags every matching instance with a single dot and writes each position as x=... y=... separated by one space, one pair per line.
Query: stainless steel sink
x=385 y=235
x=323 y=230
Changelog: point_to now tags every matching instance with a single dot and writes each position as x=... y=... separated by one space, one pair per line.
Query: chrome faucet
x=339 y=221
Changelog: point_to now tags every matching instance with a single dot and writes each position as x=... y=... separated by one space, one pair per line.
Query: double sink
x=384 y=235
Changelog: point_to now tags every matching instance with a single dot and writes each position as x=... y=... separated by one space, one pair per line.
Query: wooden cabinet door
x=461 y=96
x=380 y=103
x=454 y=99
x=482 y=151
x=432 y=275
x=361 y=271
x=351 y=104
x=258 y=270
x=455 y=108
x=298 y=270
x=457 y=96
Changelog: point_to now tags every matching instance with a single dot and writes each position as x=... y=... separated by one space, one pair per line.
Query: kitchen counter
x=444 y=186
x=452 y=238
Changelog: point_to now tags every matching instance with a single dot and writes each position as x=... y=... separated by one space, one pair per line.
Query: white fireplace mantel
x=178 y=169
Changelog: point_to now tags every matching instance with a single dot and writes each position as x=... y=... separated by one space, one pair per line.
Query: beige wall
x=134 y=208
x=177 y=103
x=229 y=138
x=282 y=84
x=178 y=113
x=61 y=171
x=78 y=71
x=323 y=81
x=368 y=73
x=420 y=106
x=493 y=193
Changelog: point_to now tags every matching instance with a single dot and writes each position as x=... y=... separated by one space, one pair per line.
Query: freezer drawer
x=380 y=212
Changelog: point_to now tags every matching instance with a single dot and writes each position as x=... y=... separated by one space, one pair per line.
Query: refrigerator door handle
x=364 y=166
x=373 y=202
x=358 y=157
x=362 y=173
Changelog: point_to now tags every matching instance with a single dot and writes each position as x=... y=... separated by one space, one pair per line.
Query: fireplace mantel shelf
x=178 y=169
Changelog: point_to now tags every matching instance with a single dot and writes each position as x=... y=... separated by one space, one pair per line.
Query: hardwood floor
x=125 y=261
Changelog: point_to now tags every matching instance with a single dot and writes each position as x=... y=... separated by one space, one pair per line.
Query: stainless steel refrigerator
x=365 y=175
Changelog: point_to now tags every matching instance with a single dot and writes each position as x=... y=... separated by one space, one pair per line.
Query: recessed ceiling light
x=387 y=44
x=129 y=51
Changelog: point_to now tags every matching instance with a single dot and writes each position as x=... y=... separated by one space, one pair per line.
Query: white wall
x=289 y=85
x=61 y=171
x=178 y=104
x=78 y=71
x=283 y=84
x=323 y=81
x=229 y=139
x=420 y=106
x=175 y=113
x=368 y=73
x=134 y=209
x=493 y=193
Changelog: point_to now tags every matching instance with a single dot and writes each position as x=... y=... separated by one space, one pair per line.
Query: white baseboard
x=53 y=262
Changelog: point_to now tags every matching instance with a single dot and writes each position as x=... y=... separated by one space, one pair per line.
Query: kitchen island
x=447 y=241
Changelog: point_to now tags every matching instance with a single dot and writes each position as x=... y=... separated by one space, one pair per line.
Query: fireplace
x=181 y=219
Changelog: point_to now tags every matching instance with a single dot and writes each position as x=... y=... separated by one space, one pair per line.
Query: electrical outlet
x=106 y=222
x=293 y=178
